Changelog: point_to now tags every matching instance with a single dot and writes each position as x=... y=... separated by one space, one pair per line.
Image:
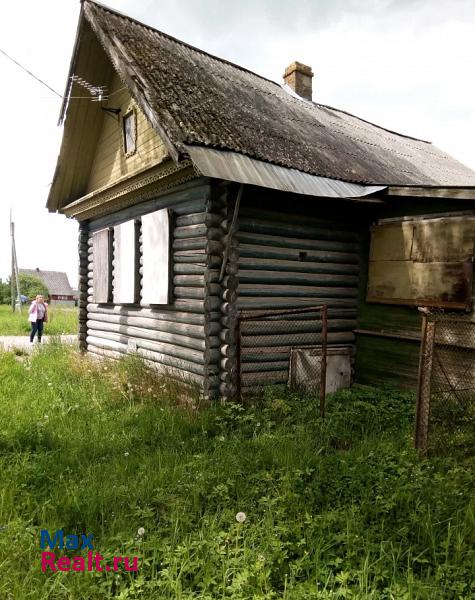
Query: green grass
x=336 y=509
x=62 y=320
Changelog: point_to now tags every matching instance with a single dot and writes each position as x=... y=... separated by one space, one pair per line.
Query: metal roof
x=232 y=166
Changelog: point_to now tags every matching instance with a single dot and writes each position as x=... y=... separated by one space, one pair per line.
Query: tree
x=29 y=286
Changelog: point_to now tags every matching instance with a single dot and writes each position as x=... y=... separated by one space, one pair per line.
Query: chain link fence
x=283 y=347
x=445 y=416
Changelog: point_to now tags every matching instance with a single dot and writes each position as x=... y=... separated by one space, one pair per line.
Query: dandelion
x=261 y=558
x=126 y=454
x=240 y=517
x=141 y=532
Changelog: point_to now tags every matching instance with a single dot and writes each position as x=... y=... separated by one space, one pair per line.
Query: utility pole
x=14 y=279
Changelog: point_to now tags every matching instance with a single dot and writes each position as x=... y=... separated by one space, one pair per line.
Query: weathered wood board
x=124 y=263
x=426 y=262
x=101 y=249
x=156 y=258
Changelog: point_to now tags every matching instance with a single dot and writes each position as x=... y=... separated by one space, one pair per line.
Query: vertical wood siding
x=110 y=162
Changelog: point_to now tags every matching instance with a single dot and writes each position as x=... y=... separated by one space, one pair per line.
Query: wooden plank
x=124 y=263
x=156 y=257
x=102 y=271
x=425 y=284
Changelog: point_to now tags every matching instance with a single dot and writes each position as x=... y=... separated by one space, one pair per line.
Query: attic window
x=129 y=132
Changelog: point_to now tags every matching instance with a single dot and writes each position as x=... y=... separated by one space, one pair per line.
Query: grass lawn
x=336 y=509
x=62 y=320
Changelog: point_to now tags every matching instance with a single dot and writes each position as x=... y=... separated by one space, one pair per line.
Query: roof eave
x=421 y=191
x=130 y=78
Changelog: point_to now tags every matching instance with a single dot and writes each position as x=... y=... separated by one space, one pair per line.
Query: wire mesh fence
x=283 y=347
x=445 y=417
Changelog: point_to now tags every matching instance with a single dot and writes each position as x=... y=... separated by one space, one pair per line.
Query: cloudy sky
x=405 y=64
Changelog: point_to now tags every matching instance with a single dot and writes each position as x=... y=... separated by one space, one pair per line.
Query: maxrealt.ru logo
x=92 y=561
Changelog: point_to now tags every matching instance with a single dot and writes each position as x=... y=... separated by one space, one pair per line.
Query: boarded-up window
x=156 y=258
x=125 y=263
x=102 y=265
x=423 y=262
x=129 y=132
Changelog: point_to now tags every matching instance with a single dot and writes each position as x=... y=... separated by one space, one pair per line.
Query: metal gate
x=445 y=415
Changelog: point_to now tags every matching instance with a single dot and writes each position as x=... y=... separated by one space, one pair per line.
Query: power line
x=97 y=92
x=30 y=73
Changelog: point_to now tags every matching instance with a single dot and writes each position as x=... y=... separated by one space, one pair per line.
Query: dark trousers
x=36 y=326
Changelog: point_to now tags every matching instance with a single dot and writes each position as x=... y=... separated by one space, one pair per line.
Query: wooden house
x=202 y=189
x=57 y=282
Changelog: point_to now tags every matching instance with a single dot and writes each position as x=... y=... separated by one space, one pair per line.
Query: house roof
x=194 y=98
x=56 y=281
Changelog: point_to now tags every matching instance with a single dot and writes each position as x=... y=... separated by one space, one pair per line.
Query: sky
x=407 y=65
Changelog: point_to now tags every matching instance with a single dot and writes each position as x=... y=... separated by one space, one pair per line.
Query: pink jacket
x=33 y=313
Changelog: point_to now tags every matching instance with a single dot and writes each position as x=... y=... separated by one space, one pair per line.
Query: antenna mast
x=14 y=279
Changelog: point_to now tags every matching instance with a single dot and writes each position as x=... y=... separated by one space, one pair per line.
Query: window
x=129 y=132
x=156 y=286
x=423 y=261
x=102 y=265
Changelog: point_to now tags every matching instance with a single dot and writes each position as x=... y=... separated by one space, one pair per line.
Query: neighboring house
x=60 y=292
x=203 y=189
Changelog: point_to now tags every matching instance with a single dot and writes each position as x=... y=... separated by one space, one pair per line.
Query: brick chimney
x=299 y=78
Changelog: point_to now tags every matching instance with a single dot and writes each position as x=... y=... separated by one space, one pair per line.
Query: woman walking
x=38 y=315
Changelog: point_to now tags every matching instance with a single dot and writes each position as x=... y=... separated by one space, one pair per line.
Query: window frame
x=131 y=113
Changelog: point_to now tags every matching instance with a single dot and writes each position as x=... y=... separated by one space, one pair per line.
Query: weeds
x=341 y=508
x=62 y=321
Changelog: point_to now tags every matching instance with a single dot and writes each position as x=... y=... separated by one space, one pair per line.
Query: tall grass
x=335 y=509
x=62 y=320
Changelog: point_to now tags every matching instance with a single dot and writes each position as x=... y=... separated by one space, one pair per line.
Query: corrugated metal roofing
x=198 y=99
x=232 y=166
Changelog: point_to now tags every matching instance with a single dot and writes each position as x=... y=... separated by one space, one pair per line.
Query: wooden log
x=159 y=336
x=185 y=366
x=268 y=303
x=265 y=378
x=196 y=231
x=106 y=343
x=230 y=282
x=118 y=341
x=228 y=390
x=211 y=303
x=197 y=293
x=159 y=314
x=208 y=246
x=295 y=340
x=210 y=276
x=312 y=244
x=209 y=219
x=98 y=352
x=328 y=232
x=254 y=264
x=229 y=296
x=212 y=260
x=198 y=268
x=248 y=289
x=257 y=212
x=281 y=326
x=296 y=278
x=228 y=364
x=228 y=351
x=254 y=352
x=193 y=330
x=264 y=367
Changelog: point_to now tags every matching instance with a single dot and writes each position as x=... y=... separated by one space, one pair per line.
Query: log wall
x=182 y=336
x=293 y=260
